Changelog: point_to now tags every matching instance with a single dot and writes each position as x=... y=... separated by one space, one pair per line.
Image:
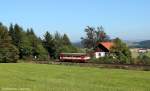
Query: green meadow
x=46 y=77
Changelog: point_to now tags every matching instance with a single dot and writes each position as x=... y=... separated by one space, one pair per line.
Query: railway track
x=117 y=66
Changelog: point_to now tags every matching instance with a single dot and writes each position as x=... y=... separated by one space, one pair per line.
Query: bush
x=143 y=59
x=8 y=54
x=103 y=60
x=43 y=58
x=110 y=59
x=121 y=52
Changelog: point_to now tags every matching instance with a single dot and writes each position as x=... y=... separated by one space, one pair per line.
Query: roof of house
x=107 y=45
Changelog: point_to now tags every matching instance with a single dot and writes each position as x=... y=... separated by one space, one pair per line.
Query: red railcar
x=74 y=57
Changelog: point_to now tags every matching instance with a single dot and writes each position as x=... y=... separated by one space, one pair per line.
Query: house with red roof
x=102 y=49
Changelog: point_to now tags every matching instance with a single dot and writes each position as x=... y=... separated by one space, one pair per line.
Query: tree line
x=18 y=43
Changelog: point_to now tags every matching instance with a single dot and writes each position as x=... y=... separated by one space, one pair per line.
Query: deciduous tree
x=93 y=36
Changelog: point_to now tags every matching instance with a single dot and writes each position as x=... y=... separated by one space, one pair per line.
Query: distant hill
x=144 y=44
x=78 y=44
x=141 y=44
x=131 y=44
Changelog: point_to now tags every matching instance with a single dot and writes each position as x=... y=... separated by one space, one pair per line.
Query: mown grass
x=44 y=77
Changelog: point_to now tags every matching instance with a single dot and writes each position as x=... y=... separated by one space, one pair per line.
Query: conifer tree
x=8 y=52
x=49 y=44
x=66 y=40
x=36 y=45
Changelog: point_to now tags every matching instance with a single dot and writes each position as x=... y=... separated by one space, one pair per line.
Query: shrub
x=106 y=59
x=121 y=52
x=143 y=59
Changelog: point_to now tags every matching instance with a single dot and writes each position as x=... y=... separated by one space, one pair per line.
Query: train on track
x=74 y=57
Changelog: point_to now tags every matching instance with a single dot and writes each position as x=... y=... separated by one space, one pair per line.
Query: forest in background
x=18 y=43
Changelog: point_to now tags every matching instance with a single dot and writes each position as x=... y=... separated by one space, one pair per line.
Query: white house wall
x=99 y=54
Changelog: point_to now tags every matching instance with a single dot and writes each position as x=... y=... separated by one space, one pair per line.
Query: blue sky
x=127 y=19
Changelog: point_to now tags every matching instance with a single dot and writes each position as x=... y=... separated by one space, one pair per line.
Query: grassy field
x=44 y=77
